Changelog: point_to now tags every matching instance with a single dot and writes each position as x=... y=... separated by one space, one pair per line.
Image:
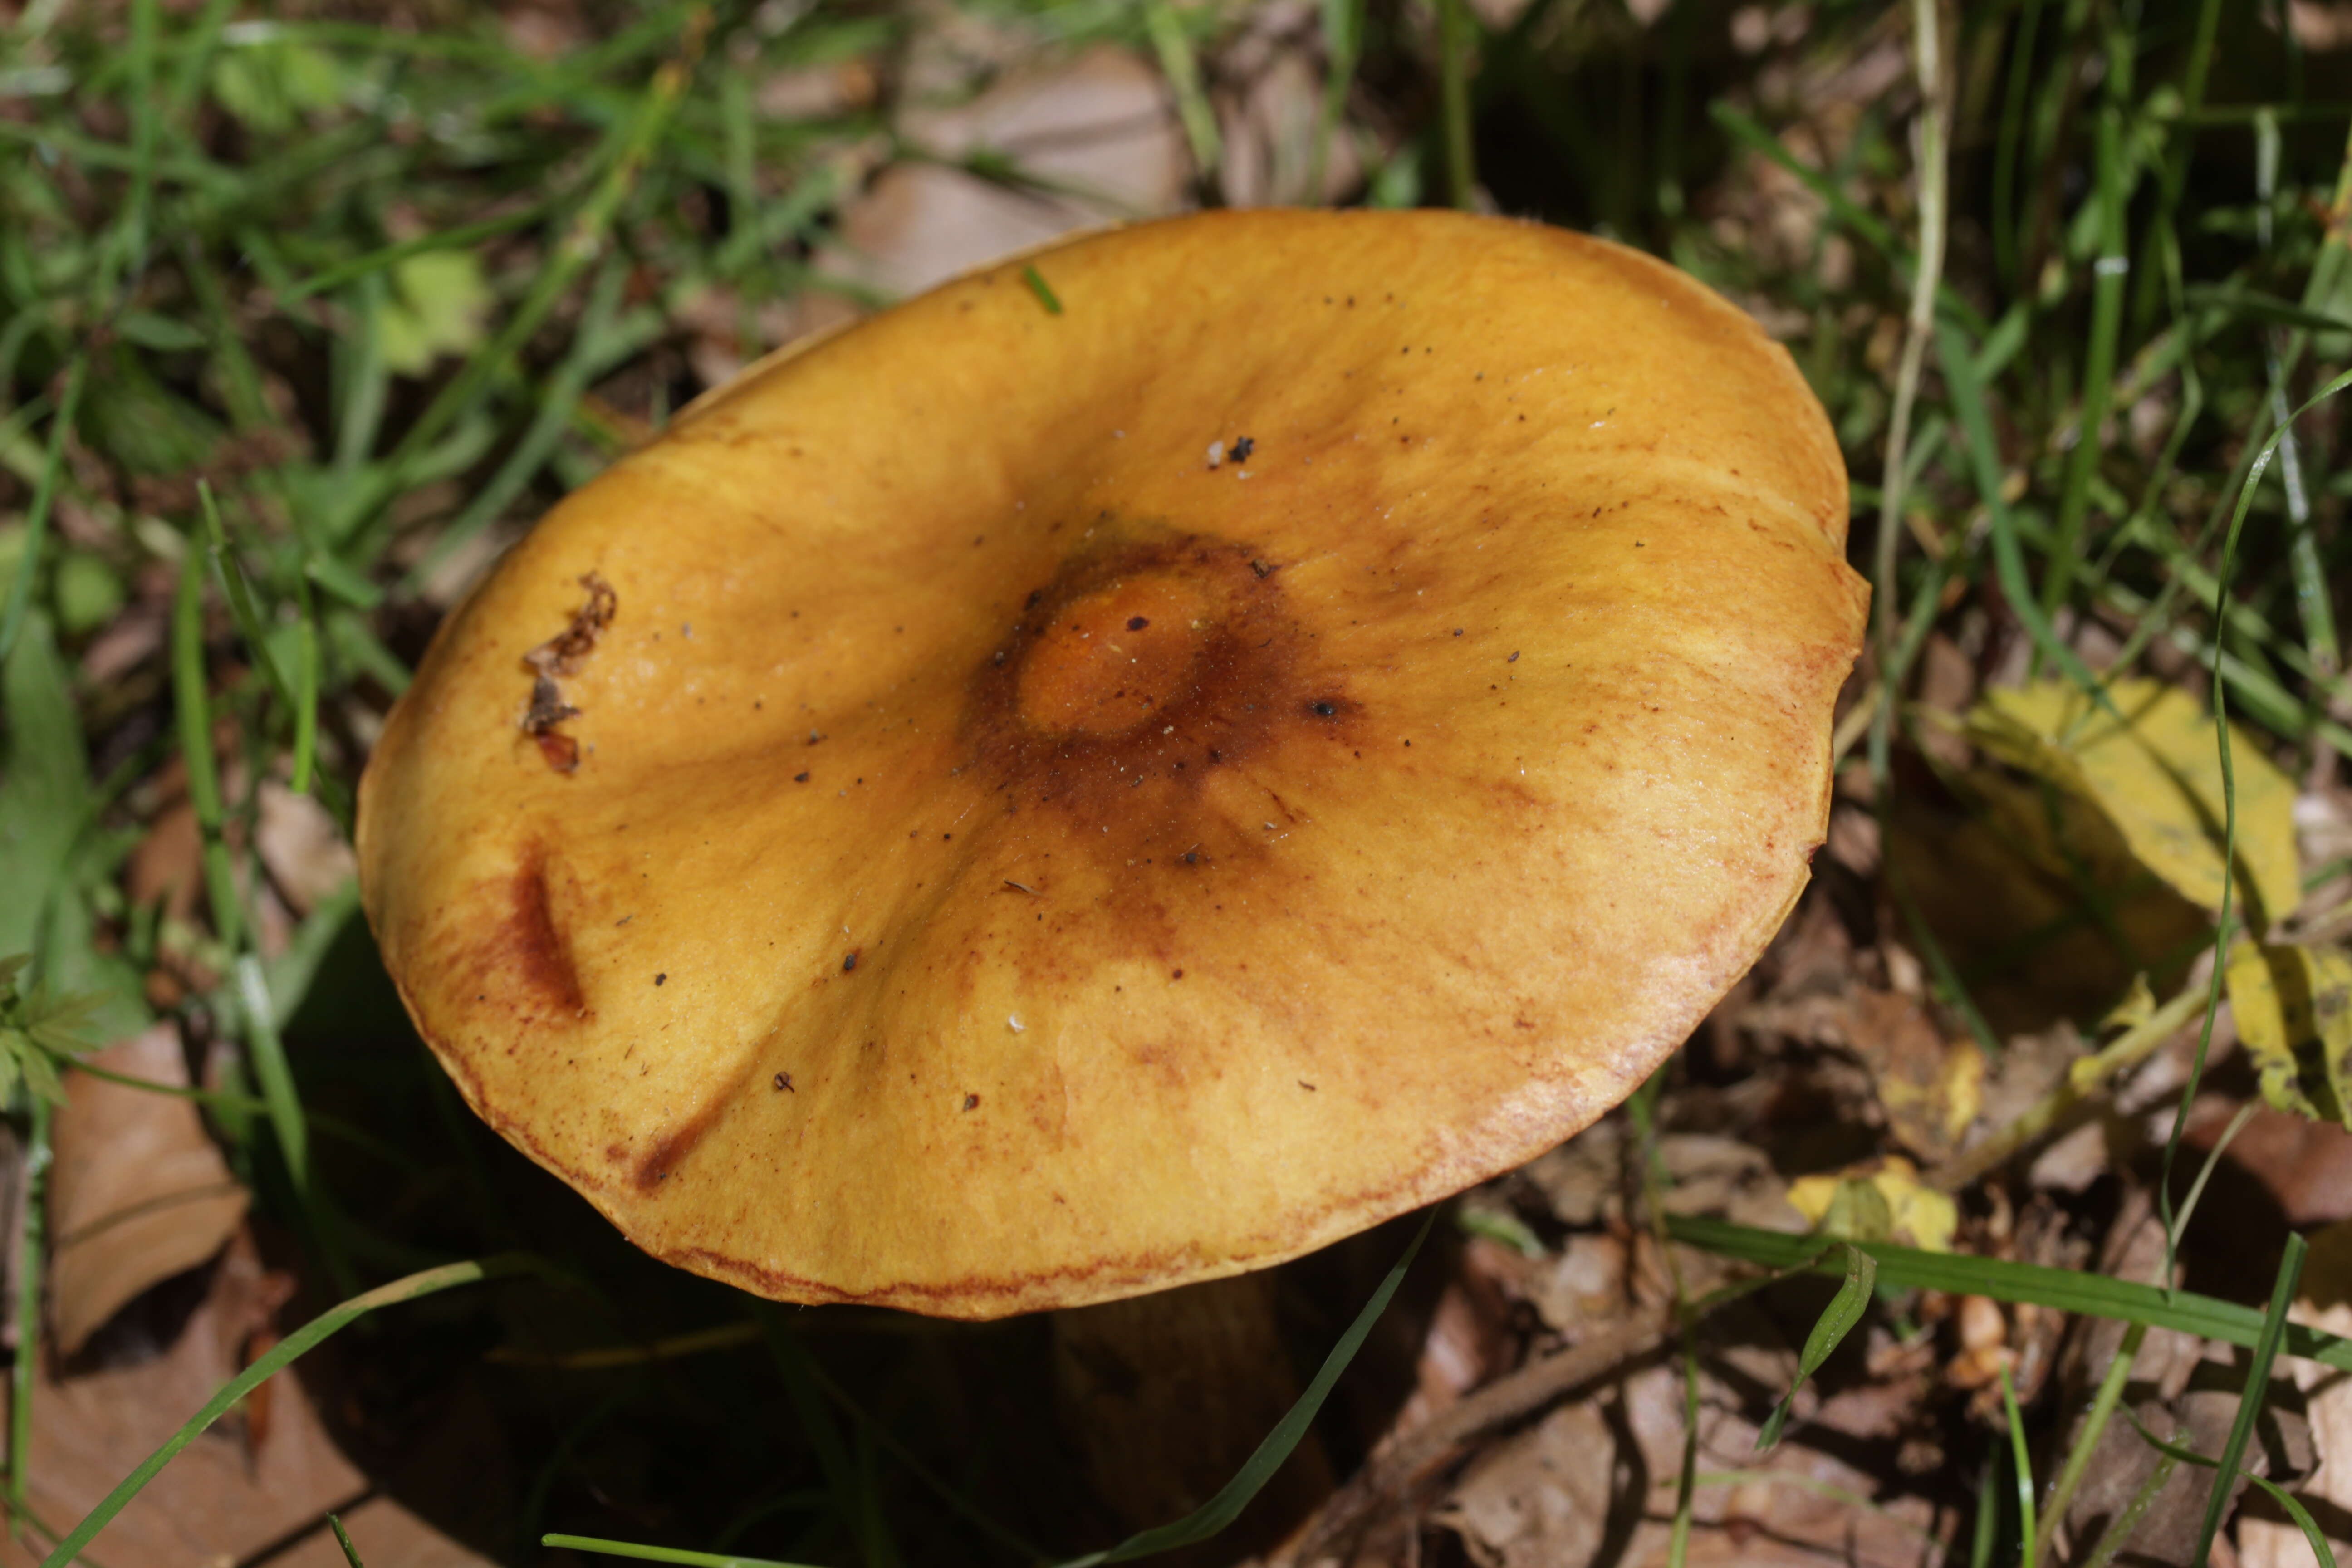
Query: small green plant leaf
x=2293 y=1007
x=439 y=304
x=166 y=334
x=272 y=85
x=1883 y=1201
x=87 y=592
x=1829 y=1330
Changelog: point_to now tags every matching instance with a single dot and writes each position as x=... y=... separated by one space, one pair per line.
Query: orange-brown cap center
x=1115 y=658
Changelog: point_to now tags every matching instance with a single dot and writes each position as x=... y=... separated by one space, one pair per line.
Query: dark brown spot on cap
x=1119 y=741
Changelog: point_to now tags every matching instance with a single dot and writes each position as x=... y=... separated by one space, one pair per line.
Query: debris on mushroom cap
x=1455 y=765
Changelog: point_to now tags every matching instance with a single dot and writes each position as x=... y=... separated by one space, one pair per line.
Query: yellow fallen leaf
x=2034 y=896
x=1882 y=1200
x=2293 y=1007
x=2157 y=777
x=1962 y=1083
x=439 y=304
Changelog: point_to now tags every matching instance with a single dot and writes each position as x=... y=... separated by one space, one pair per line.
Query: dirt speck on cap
x=563 y=655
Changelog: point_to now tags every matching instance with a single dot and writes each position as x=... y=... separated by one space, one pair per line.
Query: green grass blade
x=241 y=608
x=1454 y=28
x=2305 y=565
x=365 y=383
x=2223 y=926
x=597 y=347
x=306 y=694
x=146 y=110
x=1043 y=289
x=2313 y=1537
x=37 y=517
x=2316 y=1539
x=2065 y=1289
x=343 y=1540
x=2006 y=142
x=269 y=1064
x=463 y=236
x=1829 y=1330
x=191 y=702
x=844 y=1486
x=2099 y=362
x=1182 y=69
x=31 y=1254
x=2194 y=75
x=661 y=1554
x=195 y=50
x=2257 y=1393
x=1687 y=1481
x=2021 y=1465
x=431 y=1282
x=2086 y=1438
x=1988 y=1519
x=1750 y=132
x=873 y=1431
x=1343 y=41
x=2120 y=1529
x=1918 y=327
x=1199 y=1525
x=628 y=147
x=1983 y=452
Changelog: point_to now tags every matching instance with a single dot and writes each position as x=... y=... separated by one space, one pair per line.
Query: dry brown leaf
x=167 y=863
x=306 y=856
x=1705 y=1173
x=139 y=1191
x=2321 y=26
x=1584 y=1283
x=1098 y=129
x=1269 y=83
x=237 y=1487
x=1554 y=1495
x=1930 y=1087
x=2306 y=1165
x=1582 y=1180
x=1539 y=1499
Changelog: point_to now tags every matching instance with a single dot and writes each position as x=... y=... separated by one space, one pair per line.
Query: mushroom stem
x=1168 y=1395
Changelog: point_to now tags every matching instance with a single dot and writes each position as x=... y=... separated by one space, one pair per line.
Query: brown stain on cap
x=1115 y=736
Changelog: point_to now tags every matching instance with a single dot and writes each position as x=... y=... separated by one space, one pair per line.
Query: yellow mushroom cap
x=1133 y=766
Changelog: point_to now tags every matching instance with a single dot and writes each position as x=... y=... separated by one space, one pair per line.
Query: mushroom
x=1133 y=766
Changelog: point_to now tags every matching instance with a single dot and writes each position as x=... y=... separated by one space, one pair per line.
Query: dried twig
x=1394 y=1474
